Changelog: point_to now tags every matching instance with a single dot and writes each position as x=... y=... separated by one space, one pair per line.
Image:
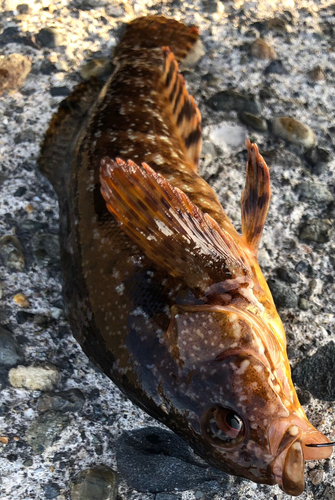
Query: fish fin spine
x=255 y=199
x=185 y=112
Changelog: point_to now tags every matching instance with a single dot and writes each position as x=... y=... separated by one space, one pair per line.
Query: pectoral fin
x=171 y=230
x=255 y=199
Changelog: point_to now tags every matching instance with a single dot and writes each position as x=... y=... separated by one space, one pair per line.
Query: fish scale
x=160 y=290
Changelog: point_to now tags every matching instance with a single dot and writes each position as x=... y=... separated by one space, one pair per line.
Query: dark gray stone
x=155 y=460
x=317 y=230
x=51 y=490
x=282 y=293
x=10 y=351
x=45 y=429
x=46 y=248
x=305 y=268
x=60 y=91
x=255 y=122
x=71 y=400
x=210 y=6
x=11 y=34
x=94 y=484
x=11 y=253
x=287 y=275
x=276 y=67
x=166 y=496
x=23 y=8
x=229 y=100
x=316 y=373
x=27 y=135
x=48 y=37
x=310 y=190
x=47 y=68
x=317 y=159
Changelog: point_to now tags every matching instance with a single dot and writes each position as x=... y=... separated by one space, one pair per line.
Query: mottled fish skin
x=198 y=345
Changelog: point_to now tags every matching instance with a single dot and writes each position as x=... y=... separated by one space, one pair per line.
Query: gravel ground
x=46 y=440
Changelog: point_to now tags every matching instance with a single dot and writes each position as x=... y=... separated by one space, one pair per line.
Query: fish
x=160 y=290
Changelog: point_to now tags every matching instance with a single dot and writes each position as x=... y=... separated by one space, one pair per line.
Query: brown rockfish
x=161 y=291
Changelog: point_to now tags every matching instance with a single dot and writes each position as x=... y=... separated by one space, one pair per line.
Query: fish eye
x=224 y=426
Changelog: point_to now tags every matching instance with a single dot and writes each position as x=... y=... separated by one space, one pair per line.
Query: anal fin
x=255 y=198
x=186 y=114
x=173 y=232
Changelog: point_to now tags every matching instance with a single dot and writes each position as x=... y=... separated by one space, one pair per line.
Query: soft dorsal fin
x=171 y=230
x=185 y=112
x=255 y=198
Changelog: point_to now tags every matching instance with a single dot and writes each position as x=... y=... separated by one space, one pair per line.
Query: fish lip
x=287 y=440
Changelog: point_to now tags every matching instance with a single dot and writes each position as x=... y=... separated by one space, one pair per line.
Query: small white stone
x=34 y=378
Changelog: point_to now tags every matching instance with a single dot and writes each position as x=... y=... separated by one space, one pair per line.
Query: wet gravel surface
x=59 y=416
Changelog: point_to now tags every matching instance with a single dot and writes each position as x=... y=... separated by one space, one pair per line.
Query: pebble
x=14 y=70
x=51 y=490
x=314 y=191
x=293 y=131
x=47 y=68
x=49 y=38
x=305 y=268
x=60 y=91
x=96 y=68
x=166 y=496
x=287 y=275
x=34 y=378
x=226 y=134
x=277 y=25
x=316 y=373
x=317 y=476
x=230 y=100
x=317 y=158
x=21 y=300
x=317 y=74
x=317 y=230
x=23 y=9
x=276 y=67
x=282 y=294
x=72 y=400
x=11 y=253
x=303 y=304
x=255 y=122
x=46 y=429
x=155 y=460
x=10 y=351
x=267 y=93
x=262 y=50
x=11 y=34
x=99 y=483
x=46 y=248
x=27 y=135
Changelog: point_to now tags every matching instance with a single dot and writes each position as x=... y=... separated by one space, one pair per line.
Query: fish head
x=238 y=396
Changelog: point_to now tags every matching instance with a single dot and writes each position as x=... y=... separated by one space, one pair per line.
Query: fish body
x=161 y=291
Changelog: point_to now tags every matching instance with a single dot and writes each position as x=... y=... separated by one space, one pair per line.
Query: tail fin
x=152 y=32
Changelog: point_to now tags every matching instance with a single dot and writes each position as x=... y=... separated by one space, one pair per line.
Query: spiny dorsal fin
x=171 y=230
x=184 y=110
x=255 y=198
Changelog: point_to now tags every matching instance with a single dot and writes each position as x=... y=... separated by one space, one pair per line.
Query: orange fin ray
x=173 y=232
x=185 y=112
x=255 y=198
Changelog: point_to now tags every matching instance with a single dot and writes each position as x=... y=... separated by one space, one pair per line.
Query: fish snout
x=289 y=446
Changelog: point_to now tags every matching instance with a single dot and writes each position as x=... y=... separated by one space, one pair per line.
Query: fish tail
x=153 y=32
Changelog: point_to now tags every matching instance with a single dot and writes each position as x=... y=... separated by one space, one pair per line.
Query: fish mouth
x=290 y=450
